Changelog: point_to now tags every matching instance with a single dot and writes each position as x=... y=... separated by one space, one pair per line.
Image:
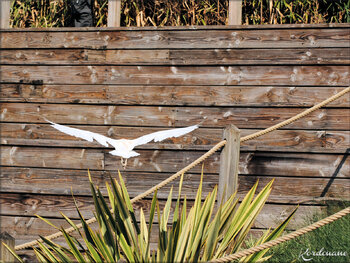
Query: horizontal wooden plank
x=251 y=163
x=80 y=159
x=178 y=75
x=291 y=190
x=252 y=96
x=260 y=56
x=49 y=206
x=141 y=39
x=305 y=56
x=243 y=118
x=17 y=134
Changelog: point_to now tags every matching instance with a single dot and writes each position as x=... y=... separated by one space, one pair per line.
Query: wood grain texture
x=49 y=206
x=251 y=163
x=235 y=12
x=190 y=38
x=179 y=75
x=255 y=118
x=248 y=96
x=229 y=163
x=317 y=141
x=5 y=11
x=304 y=56
x=127 y=82
x=114 y=10
x=58 y=181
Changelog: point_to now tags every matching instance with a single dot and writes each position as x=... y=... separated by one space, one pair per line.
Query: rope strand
x=199 y=160
x=284 y=238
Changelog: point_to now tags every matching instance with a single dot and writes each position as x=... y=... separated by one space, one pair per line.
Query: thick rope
x=199 y=160
x=284 y=238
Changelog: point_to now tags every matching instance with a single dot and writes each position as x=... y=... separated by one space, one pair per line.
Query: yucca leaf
x=197 y=209
x=253 y=211
x=13 y=253
x=151 y=218
x=94 y=254
x=75 y=251
x=102 y=248
x=48 y=253
x=143 y=237
x=107 y=218
x=177 y=206
x=212 y=238
x=119 y=221
x=244 y=206
x=40 y=256
x=237 y=221
x=183 y=218
x=61 y=252
x=185 y=235
x=111 y=197
x=87 y=230
x=127 y=250
x=227 y=213
x=273 y=235
x=163 y=236
x=170 y=247
x=205 y=214
x=47 y=222
x=124 y=214
x=174 y=232
x=128 y=202
x=70 y=222
x=101 y=216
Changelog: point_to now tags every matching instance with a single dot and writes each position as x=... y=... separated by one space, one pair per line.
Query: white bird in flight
x=123 y=147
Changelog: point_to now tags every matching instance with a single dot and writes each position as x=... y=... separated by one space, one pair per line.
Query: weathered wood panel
x=141 y=39
x=293 y=56
x=249 y=96
x=128 y=82
x=18 y=134
x=49 y=206
x=255 y=118
x=58 y=181
x=179 y=75
x=253 y=163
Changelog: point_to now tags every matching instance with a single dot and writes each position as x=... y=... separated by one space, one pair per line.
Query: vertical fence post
x=5 y=6
x=235 y=12
x=229 y=160
x=5 y=255
x=114 y=9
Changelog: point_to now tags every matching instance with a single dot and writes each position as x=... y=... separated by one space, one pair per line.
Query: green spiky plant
x=57 y=13
x=199 y=235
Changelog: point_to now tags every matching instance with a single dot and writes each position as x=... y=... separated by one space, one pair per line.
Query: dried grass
x=56 y=13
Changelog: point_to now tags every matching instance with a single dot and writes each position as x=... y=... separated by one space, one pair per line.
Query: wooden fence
x=125 y=82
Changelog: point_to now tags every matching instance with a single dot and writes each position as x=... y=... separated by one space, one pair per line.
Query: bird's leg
x=124 y=162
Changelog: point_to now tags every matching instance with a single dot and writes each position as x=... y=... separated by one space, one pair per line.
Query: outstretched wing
x=162 y=135
x=86 y=135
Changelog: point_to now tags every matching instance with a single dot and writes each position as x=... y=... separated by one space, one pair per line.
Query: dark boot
x=82 y=13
